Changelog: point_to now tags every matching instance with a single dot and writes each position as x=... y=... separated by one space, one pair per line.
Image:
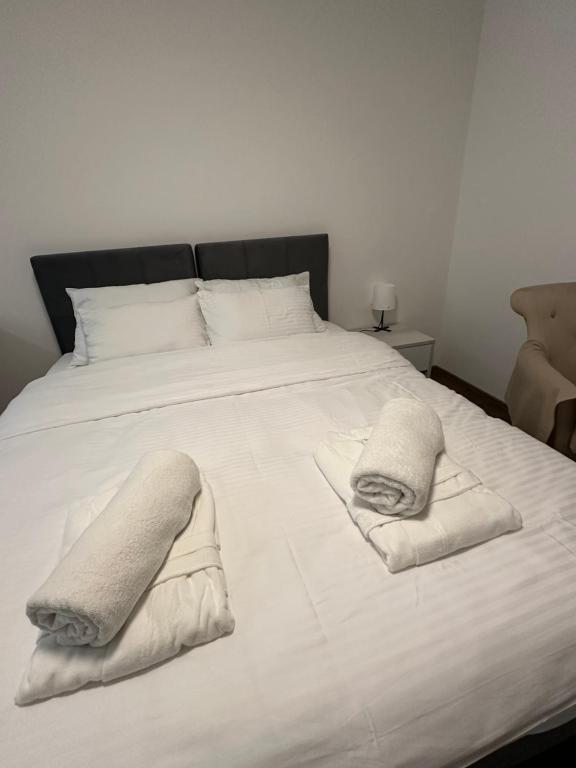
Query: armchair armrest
x=535 y=390
x=533 y=305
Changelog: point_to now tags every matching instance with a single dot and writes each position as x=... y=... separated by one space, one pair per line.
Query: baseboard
x=490 y=404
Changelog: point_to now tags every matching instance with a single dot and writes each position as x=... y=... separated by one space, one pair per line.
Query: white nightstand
x=416 y=347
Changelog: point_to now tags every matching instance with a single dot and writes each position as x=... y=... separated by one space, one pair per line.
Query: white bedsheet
x=62 y=364
x=334 y=661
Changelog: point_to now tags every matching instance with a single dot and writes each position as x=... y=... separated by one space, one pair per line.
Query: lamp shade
x=384 y=296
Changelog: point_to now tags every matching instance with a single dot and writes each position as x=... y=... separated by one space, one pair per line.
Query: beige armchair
x=541 y=395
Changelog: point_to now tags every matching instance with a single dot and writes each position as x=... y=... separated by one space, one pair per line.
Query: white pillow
x=117 y=296
x=260 y=283
x=140 y=329
x=257 y=314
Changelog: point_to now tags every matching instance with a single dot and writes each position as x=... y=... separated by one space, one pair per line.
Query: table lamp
x=383 y=299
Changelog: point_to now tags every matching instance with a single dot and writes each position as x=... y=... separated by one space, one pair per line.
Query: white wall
x=516 y=222
x=149 y=121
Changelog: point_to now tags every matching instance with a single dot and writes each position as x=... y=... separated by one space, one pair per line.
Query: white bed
x=62 y=364
x=334 y=661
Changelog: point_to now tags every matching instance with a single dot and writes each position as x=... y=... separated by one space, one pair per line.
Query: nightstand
x=416 y=347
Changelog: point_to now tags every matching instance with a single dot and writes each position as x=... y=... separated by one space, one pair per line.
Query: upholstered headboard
x=89 y=269
x=269 y=257
x=232 y=260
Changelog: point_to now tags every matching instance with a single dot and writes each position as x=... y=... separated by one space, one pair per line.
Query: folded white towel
x=92 y=591
x=185 y=605
x=395 y=469
x=460 y=512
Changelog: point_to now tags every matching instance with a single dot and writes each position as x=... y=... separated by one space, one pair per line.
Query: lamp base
x=381 y=326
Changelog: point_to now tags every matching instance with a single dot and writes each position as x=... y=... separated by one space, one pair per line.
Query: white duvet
x=334 y=661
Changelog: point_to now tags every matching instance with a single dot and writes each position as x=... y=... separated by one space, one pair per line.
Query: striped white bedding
x=334 y=661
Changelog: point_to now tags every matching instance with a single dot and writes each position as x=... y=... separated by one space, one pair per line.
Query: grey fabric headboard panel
x=269 y=257
x=90 y=269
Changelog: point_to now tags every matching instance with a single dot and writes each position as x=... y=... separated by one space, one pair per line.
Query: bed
x=334 y=661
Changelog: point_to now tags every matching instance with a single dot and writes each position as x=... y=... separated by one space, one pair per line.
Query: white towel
x=460 y=512
x=185 y=605
x=92 y=591
x=395 y=469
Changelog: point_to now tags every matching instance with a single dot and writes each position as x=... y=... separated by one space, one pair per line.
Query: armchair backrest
x=550 y=314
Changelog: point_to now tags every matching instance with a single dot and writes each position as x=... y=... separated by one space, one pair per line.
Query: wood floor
x=491 y=405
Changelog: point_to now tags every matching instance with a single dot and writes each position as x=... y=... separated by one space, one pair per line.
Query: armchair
x=541 y=395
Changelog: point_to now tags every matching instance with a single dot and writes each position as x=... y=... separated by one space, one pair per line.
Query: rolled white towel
x=396 y=467
x=185 y=605
x=92 y=591
x=460 y=512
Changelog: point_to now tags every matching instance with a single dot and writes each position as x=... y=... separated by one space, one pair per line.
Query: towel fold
x=460 y=511
x=395 y=468
x=92 y=591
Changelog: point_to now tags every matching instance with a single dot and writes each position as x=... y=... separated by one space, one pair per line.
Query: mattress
x=334 y=661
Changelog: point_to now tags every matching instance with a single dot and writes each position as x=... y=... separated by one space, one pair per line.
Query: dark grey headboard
x=269 y=257
x=89 y=269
